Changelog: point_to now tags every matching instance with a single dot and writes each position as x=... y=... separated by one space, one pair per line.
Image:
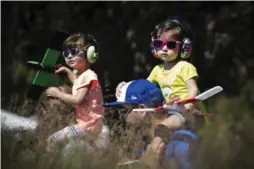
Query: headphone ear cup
x=186 y=48
x=153 y=50
x=91 y=55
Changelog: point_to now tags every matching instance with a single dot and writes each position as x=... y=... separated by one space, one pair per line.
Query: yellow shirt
x=173 y=82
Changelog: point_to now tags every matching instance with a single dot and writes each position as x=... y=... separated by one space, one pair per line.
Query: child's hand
x=153 y=155
x=67 y=72
x=171 y=104
x=172 y=100
x=53 y=92
x=118 y=89
x=157 y=146
x=62 y=69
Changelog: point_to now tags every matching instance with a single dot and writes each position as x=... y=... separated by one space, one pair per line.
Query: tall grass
x=227 y=142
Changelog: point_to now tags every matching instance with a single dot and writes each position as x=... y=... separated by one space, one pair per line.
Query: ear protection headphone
x=91 y=48
x=186 y=43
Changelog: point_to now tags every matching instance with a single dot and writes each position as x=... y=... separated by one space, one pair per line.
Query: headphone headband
x=185 y=29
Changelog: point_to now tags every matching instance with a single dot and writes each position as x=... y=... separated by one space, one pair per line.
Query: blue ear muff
x=153 y=50
x=186 y=48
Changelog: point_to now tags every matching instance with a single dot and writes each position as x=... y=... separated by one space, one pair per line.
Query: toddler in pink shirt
x=80 y=51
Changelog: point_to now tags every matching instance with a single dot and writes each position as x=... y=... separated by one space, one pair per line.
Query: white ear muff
x=91 y=55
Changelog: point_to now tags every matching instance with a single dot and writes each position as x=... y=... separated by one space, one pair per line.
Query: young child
x=80 y=51
x=171 y=42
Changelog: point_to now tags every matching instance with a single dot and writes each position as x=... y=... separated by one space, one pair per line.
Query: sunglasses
x=72 y=51
x=158 y=44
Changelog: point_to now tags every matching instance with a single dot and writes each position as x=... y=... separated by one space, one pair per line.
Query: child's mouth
x=71 y=62
x=164 y=56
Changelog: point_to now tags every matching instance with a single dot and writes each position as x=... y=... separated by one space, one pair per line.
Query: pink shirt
x=90 y=112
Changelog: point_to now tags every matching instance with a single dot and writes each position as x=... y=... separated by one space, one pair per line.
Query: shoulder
x=87 y=76
x=185 y=65
x=156 y=70
x=157 y=67
x=187 y=70
x=153 y=74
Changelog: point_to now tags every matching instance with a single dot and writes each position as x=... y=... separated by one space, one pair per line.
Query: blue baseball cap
x=139 y=91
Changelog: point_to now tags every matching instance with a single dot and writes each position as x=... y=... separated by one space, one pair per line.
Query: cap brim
x=114 y=103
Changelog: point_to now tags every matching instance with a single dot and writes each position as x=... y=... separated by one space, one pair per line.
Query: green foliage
x=228 y=141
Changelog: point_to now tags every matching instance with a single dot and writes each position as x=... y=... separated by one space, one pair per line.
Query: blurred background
x=223 y=54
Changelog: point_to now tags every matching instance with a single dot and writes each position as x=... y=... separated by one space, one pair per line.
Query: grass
x=226 y=143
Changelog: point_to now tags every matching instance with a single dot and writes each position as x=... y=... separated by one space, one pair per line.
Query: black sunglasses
x=72 y=51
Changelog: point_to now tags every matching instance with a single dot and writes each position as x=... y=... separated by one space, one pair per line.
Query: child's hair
x=178 y=29
x=84 y=42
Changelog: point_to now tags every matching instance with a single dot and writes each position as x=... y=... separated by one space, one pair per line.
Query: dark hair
x=179 y=29
x=76 y=40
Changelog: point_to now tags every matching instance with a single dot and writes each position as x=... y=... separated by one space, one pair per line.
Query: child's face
x=167 y=51
x=75 y=59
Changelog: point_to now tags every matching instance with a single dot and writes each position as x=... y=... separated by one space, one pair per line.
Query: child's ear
x=141 y=106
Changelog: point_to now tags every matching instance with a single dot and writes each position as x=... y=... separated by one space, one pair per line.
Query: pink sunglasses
x=158 y=44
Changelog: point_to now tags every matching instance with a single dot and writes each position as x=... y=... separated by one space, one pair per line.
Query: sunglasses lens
x=74 y=51
x=157 y=43
x=171 y=45
x=65 y=53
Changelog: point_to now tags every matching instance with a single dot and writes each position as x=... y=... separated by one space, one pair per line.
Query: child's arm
x=68 y=98
x=82 y=89
x=193 y=91
x=69 y=73
x=189 y=75
x=71 y=99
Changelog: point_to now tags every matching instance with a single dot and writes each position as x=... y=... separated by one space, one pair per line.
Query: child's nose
x=165 y=47
x=70 y=55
